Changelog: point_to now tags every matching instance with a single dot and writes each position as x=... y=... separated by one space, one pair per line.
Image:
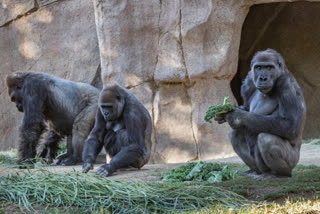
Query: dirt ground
x=309 y=155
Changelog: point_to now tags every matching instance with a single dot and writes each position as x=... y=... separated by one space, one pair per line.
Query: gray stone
x=12 y=9
x=172 y=119
x=128 y=40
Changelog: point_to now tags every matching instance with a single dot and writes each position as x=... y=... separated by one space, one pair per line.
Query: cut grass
x=93 y=193
x=8 y=158
x=288 y=207
x=312 y=141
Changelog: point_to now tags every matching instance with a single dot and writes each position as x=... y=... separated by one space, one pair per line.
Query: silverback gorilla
x=267 y=129
x=123 y=127
x=67 y=108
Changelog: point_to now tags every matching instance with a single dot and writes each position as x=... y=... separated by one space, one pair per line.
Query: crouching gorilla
x=67 y=108
x=267 y=129
x=123 y=126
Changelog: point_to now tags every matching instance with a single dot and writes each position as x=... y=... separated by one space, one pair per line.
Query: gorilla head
x=15 y=86
x=111 y=104
x=266 y=67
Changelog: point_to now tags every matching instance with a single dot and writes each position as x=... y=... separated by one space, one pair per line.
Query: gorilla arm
x=32 y=124
x=94 y=143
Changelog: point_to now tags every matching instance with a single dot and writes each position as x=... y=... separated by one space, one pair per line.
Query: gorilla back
x=67 y=108
x=267 y=129
x=123 y=126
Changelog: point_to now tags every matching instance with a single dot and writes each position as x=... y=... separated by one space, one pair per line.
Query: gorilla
x=67 y=108
x=123 y=127
x=267 y=129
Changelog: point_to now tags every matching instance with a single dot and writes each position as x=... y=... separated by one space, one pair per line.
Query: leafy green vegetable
x=218 y=109
x=200 y=171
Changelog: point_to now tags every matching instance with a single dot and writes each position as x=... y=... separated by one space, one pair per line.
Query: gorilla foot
x=104 y=170
x=26 y=164
x=266 y=176
x=250 y=173
x=67 y=161
x=45 y=155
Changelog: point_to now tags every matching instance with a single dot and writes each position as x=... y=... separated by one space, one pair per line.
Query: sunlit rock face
x=177 y=56
x=57 y=37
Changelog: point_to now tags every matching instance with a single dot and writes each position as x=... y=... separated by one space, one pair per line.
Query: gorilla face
x=110 y=104
x=265 y=71
x=16 y=97
x=107 y=111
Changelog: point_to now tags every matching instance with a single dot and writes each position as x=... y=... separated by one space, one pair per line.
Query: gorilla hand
x=235 y=118
x=86 y=167
x=220 y=118
x=104 y=170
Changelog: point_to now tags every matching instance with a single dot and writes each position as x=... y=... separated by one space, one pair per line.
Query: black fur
x=272 y=119
x=123 y=127
x=67 y=108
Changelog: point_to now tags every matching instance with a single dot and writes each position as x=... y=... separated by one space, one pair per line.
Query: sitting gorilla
x=267 y=129
x=67 y=108
x=123 y=126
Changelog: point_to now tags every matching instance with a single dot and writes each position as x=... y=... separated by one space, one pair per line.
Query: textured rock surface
x=57 y=38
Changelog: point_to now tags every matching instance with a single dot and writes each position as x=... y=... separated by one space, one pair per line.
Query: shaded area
x=293 y=29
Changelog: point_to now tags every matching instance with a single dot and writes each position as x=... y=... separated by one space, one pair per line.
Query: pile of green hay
x=201 y=171
x=93 y=193
x=218 y=109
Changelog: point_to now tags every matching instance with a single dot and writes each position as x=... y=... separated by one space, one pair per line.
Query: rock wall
x=177 y=56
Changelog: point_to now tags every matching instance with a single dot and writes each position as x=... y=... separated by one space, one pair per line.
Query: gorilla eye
x=258 y=67
x=269 y=67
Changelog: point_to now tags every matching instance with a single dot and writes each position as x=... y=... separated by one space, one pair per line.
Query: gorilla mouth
x=264 y=89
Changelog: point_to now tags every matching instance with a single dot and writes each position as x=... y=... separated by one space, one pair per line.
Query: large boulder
x=57 y=37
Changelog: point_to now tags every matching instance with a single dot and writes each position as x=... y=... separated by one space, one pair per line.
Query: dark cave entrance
x=293 y=29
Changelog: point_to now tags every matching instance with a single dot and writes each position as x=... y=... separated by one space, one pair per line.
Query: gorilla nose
x=263 y=79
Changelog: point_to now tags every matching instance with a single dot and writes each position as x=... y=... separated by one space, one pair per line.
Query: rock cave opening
x=293 y=29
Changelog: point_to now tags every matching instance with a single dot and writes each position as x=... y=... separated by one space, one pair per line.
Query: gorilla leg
x=50 y=147
x=122 y=152
x=240 y=146
x=80 y=131
x=278 y=154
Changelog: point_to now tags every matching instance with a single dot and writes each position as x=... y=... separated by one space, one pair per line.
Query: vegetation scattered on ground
x=299 y=206
x=218 y=109
x=305 y=179
x=8 y=158
x=201 y=171
x=62 y=149
x=312 y=141
x=93 y=193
